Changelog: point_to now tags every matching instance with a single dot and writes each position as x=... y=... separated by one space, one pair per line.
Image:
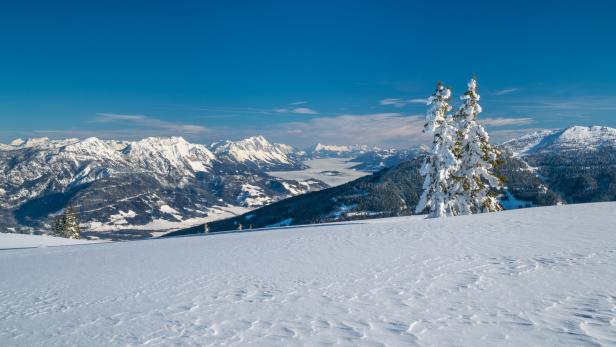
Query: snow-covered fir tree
x=474 y=180
x=66 y=225
x=441 y=162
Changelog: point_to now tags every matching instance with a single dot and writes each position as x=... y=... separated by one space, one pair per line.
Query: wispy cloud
x=151 y=124
x=383 y=129
x=298 y=103
x=502 y=121
x=401 y=102
x=296 y=110
x=128 y=127
x=505 y=91
x=577 y=103
x=304 y=110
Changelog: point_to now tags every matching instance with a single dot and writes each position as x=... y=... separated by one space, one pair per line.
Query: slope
x=542 y=276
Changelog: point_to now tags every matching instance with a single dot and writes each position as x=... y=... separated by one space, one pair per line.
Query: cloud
x=382 y=129
x=501 y=121
x=400 y=102
x=304 y=110
x=297 y=110
x=298 y=103
x=606 y=103
x=146 y=123
x=392 y=101
x=505 y=91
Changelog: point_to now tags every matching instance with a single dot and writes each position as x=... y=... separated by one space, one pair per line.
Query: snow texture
x=540 y=277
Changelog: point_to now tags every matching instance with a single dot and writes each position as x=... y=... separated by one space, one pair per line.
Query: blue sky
x=299 y=72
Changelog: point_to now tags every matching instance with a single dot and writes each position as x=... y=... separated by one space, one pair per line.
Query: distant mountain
x=257 y=152
x=368 y=158
x=378 y=159
x=147 y=184
x=576 y=138
x=335 y=151
x=578 y=163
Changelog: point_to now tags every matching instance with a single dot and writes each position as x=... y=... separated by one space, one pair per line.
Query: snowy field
x=331 y=171
x=10 y=241
x=531 y=277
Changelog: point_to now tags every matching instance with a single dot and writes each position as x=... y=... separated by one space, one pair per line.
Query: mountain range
x=126 y=189
x=147 y=184
x=544 y=168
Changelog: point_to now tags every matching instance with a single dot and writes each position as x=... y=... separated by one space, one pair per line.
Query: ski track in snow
x=541 y=276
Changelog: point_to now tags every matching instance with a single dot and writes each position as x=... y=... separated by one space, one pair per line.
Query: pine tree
x=206 y=229
x=474 y=180
x=441 y=162
x=66 y=225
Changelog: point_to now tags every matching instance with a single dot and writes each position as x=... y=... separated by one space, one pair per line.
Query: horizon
x=299 y=74
x=20 y=141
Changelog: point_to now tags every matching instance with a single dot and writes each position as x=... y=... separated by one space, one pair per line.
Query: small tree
x=474 y=179
x=441 y=162
x=206 y=229
x=240 y=227
x=66 y=225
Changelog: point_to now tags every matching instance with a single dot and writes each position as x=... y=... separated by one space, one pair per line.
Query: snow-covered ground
x=160 y=226
x=540 y=276
x=331 y=171
x=10 y=241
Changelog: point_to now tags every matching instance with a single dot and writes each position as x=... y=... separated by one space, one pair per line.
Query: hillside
x=541 y=276
x=578 y=163
x=390 y=192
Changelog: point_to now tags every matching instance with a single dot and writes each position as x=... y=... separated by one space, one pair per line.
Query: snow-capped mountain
x=578 y=163
x=334 y=151
x=256 y=151
x=142 y=184
x=570 y=139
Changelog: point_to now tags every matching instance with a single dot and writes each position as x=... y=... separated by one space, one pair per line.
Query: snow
x=320 y=169
x=11 y=241
x=572 y=138
x=120 y=218
x=168 y=209
x=255 y=149
x=162 y=226
x=253 y=196
x=511 y=202
x=540 y=276
x=319 y=147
